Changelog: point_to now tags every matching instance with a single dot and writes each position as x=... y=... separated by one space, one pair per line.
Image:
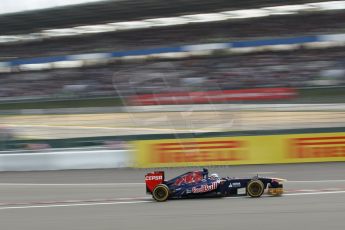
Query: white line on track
x=314 y=181
x=296 y=194
x=314 y=193
x=78 y=184
x=74 y=205
x=142 y=201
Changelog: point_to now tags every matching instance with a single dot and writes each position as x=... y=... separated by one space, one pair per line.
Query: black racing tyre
x=160 y=193
x=255 y=188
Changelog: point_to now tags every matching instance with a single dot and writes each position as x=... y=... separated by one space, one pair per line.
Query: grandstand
x=117 y=10
x=299 y=65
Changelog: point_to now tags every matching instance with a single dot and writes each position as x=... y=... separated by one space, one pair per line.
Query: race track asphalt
x=116 y=199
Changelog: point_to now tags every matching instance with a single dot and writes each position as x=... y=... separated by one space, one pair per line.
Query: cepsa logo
x=199 y=151
x=317 y=147
x=153 y=177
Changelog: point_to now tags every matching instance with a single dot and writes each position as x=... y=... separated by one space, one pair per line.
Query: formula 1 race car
x=199 y=184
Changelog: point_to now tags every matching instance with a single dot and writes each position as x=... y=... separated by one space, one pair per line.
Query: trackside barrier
x=237 y=107
x=60 y=160
x=214 y=96
x=238 y=150
x=182 y=108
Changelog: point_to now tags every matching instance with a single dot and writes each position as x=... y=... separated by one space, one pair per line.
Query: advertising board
x=216 y=96
x=266 y=149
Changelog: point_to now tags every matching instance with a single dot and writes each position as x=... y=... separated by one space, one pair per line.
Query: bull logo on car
x=205 y=188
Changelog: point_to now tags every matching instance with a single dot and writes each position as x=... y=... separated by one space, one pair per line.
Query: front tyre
x=255 y=188
x=160 y=193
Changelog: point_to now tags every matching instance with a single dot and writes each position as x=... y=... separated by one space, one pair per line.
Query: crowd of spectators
x=298 y=68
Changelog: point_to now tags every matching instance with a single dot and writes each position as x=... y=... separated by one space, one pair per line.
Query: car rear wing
x=153 y=179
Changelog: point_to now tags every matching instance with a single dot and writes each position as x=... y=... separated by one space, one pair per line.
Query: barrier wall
x=61 y=160
x=324 y=146
x=181 y=108
x=237 y=150
x=215 y=96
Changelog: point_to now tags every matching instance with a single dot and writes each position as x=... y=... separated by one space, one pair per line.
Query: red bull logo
x=205 y=188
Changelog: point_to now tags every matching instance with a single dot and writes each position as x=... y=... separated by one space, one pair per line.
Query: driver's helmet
x=214 y=176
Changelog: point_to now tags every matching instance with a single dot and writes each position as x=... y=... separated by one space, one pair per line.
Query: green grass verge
x=72 y=103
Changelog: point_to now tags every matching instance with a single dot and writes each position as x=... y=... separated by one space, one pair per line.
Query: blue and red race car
x=200 y=184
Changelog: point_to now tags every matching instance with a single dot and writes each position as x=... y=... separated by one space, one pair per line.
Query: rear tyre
x=255 y=188
x=160 y=193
